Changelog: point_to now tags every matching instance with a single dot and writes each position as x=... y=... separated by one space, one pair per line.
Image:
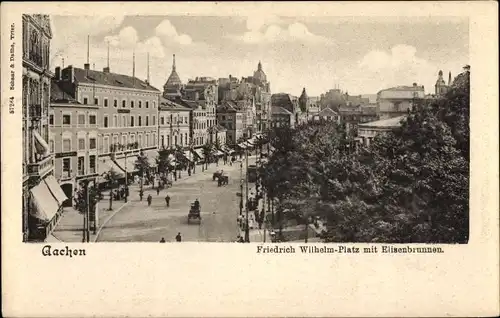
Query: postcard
x=250 y=159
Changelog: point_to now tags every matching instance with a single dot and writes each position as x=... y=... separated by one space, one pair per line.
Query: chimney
x=58 y=73
x=71 y=73
x=86 y=66
x=106 y=69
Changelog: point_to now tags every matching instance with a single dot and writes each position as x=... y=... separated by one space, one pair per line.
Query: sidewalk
x=70 y=227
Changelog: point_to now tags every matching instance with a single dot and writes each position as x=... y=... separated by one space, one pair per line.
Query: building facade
x=42 y=196
x=73 y=140
x=351 y=117
x=281 y=117
x=230 y=117
x=174 y=126
x=127 y=112
x=368 y=131
x=327 y=114
x=396 y=101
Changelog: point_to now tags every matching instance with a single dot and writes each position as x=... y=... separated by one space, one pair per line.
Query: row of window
x=128 y=121
x=132 y=103
x=81 y=119
x=148 y=141
x=174 y=120
x=82 y=144
x=169 y=141
x=81 y=167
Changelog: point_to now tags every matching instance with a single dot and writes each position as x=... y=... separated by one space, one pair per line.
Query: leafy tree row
x=410 y=185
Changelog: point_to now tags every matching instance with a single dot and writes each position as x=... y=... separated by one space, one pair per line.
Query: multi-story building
x=281 y=117
x=127 y=112
x=72 y=140
x=396 y=101
x=204 y=90
x=198 y=122
x=292 y=105
x=327 y=114
x=174 y=126
x=352 y=116
x=247 y=106
x=230 y=117
x=42 y=195
x=368 y=131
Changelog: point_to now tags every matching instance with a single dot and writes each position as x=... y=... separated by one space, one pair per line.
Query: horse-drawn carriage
x=194 y=212
x=222 y=179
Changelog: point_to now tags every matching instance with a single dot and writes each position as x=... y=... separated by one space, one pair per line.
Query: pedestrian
x=158 y=190
x=150 y=198
x=178 y=238
x=167 y=200
x=141 y=194
x=162 y=240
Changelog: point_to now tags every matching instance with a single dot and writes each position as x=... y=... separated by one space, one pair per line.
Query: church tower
x=303 y=101
x=441 y=88
x=173 y=85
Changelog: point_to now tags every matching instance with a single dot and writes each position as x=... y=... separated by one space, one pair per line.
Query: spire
x=449 y=78
x=108 y=55
x=63 y=62
x=173 y=65
x=148 y=69
x=88 y=49
x=133 y=66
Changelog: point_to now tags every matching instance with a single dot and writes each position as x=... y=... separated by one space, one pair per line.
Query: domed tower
x=440 y=87
x=303 y=99
x=259 y=74
x=174 y=80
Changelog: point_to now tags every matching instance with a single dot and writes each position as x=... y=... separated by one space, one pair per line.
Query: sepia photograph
x=196 y=128
x=343 y=151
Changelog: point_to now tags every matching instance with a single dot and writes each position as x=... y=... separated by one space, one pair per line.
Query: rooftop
x=59 y=95
x=385 y=123
x=280 y=110
x=110 y=79
x=328 y=112
x=166 y=104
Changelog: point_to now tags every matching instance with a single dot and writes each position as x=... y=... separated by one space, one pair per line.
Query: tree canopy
x=410 y=185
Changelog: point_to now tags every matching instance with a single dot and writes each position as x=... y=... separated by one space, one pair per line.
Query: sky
x=360 y=55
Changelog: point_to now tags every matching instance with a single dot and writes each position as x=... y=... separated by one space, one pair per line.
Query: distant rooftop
x=385 y=123
x=110 y=79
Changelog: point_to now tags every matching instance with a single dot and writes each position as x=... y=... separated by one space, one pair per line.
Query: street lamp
x=247 y=227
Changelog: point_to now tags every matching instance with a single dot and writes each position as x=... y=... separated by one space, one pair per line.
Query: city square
x=120 y=145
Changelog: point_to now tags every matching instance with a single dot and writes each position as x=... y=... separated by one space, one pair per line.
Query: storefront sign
x=123 y=111
x=66 y=154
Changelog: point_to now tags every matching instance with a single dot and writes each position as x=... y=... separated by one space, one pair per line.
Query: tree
x=164 y=161
x=142 y=165
x=207 y=153
x=81 y=202
x=410 y=185
x=112 y=178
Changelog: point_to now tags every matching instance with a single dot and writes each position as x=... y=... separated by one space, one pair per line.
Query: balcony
x=41 y=168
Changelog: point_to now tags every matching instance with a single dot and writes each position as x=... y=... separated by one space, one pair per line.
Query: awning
x=41 y=145
x=105 y=165
x=199 y=152
x=152 y=155
x=56 y=190
x=127 y=165
x=188 y=155
x=45 y=204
